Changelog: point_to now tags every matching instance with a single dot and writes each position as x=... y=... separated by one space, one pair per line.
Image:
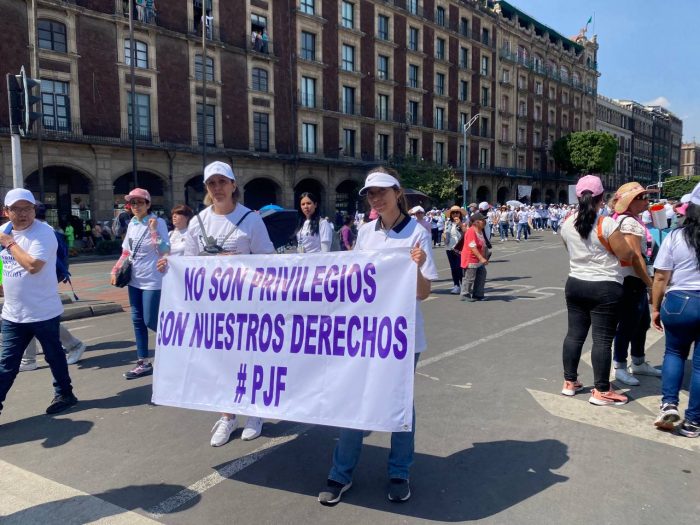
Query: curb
x=95 y=309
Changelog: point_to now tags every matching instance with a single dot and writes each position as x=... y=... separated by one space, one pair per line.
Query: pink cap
x=138 y=193
x=589 y=183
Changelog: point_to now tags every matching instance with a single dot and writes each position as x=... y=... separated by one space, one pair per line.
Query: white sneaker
x=623 y=376
x=27 y=367
x=252 y=429
x=645 y=369
x=76 y=353
x=455 y=290
x=222 y=431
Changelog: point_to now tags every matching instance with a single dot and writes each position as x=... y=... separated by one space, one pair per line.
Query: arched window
x=52 y=35
x=259 y=79
x=141 y=50
x=198 y=68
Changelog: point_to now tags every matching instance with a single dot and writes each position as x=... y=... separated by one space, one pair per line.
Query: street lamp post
x=465 y=130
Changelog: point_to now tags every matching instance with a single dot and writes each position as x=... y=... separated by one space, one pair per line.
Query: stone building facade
x=616 y=119
x=690 y=159
x=300 y=96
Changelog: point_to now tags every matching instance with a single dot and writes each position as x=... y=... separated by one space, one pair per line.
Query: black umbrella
x=280 y=225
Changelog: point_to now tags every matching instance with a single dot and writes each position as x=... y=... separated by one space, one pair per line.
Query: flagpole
x=594 y=22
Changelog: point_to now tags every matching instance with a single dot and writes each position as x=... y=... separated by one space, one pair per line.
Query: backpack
x=62 y=263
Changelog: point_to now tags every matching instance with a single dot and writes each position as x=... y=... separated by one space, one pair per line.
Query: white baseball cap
x=19 y=194
x=484 y=205
x=694 y=195
x=685 y=198
x=218 y=168
x=379 y=179
x=416 y=209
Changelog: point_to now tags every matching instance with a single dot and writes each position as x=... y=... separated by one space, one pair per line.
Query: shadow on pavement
x=80 y=509
x=471 y=484
x=109 y=360
x=510 y=278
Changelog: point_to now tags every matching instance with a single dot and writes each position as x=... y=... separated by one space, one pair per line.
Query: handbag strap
x=138 y=244
x=210 y=241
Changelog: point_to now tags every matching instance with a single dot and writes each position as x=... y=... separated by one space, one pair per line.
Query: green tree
x=562 y=154
x=675 y=189
x=592 y=151
x=436 y=181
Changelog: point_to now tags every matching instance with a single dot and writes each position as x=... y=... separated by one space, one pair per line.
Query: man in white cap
x=418 y=213
x=32 y=305
x=484 y=209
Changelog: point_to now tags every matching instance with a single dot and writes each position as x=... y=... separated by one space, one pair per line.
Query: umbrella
x=271 y=207
x=415 y=197
x=514 y=203
x=280 y=224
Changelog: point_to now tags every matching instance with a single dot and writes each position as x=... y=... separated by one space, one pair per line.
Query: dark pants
x=16 y=337
x=474 y=281
x=634 y=321
x=454 y=259
x=591 y=304
x=436 y=236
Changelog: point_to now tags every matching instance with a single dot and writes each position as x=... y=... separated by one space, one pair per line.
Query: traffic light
x=27 y=84
x=15 y=102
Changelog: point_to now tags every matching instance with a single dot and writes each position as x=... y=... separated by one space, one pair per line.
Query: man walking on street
x=32 y=305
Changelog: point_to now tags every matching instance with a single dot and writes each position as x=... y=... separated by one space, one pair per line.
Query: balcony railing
x=194 y=27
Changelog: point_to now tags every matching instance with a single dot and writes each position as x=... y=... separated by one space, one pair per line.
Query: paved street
x=495 y=441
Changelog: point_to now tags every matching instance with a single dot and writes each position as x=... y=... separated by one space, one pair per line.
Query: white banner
x=524 y=191
x=324 y=338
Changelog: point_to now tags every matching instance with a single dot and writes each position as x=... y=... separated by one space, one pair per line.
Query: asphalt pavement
x=495 y=441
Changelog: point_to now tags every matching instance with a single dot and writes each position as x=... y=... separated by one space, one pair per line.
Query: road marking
x=105 y=336
x=227 y=471
x=35 y=499
x=611 y=418
x=460 y=349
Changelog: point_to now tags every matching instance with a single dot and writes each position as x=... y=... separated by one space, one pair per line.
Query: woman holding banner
x=313 y=233
x=226 y=227
x=392 y=229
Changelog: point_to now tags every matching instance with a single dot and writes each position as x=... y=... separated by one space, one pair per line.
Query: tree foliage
x=586 y=152
x=436 y=181
x=675 y=189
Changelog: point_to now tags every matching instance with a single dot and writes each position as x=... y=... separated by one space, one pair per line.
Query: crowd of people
x=608 y=291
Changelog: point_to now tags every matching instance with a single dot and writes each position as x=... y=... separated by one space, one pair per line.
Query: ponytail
x=588 y=205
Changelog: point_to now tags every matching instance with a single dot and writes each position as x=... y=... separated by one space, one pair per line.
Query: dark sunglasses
x=642 y=197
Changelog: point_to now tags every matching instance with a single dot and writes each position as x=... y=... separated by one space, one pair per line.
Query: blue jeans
x=523 y=227
x=555 y=225
x=347 y=451
x=680 y=315
x=503 y=230
x=144 y=315
x=16 y=337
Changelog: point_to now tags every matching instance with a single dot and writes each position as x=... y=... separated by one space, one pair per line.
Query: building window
x=383 y=107
x=211 y=138
x=348 y=63
x=308 y=46
x=506 y=76
x=463 y=90
x=308 y=7
x=141 y=53
x=413 y=147
x=55 y=104
x=259 y=79
x=413 y=72
x=198 y=68
x=348 y=100
x=440 y=16
x=464 y=26
x=383 y=146
x=439 y=83
x=412 y=6
x=538 y=87
x=464 y=57
x=383 y=67
x=484 y=124
x=349 y=142
x=143 y=115
x=440 y=49
x=485 y=65
x=485 y=99
x=485 y=37
x=308 y=92
x=439 y=153
x=413 y=37
x=348 y=15
x=383 y=27
x=413 y=106
x=52 y=35
x=308 y=138
x=505 y=103
x=483 y=158
x=505 y=133
x=439 y=118
x=261 y=131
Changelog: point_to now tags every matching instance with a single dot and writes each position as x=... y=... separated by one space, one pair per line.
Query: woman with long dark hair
x=313 y=233
x=593 y=290
x=677 y=283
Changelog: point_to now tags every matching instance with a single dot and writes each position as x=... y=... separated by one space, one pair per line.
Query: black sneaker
x=140 y=370
x=668 y=417
x=61 y=403
x=332 y=493
x=690 y=429
x=399 y=490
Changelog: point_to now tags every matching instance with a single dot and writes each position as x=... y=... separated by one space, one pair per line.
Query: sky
x=648 y=49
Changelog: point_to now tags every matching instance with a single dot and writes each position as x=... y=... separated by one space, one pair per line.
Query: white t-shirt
x=588 y=259
x=249 y=237
x=177 y=242
x=30 y=298
x=312 y=243
x=630 y=226
x=144 y=274
x=675 y=254
x=404 y=235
